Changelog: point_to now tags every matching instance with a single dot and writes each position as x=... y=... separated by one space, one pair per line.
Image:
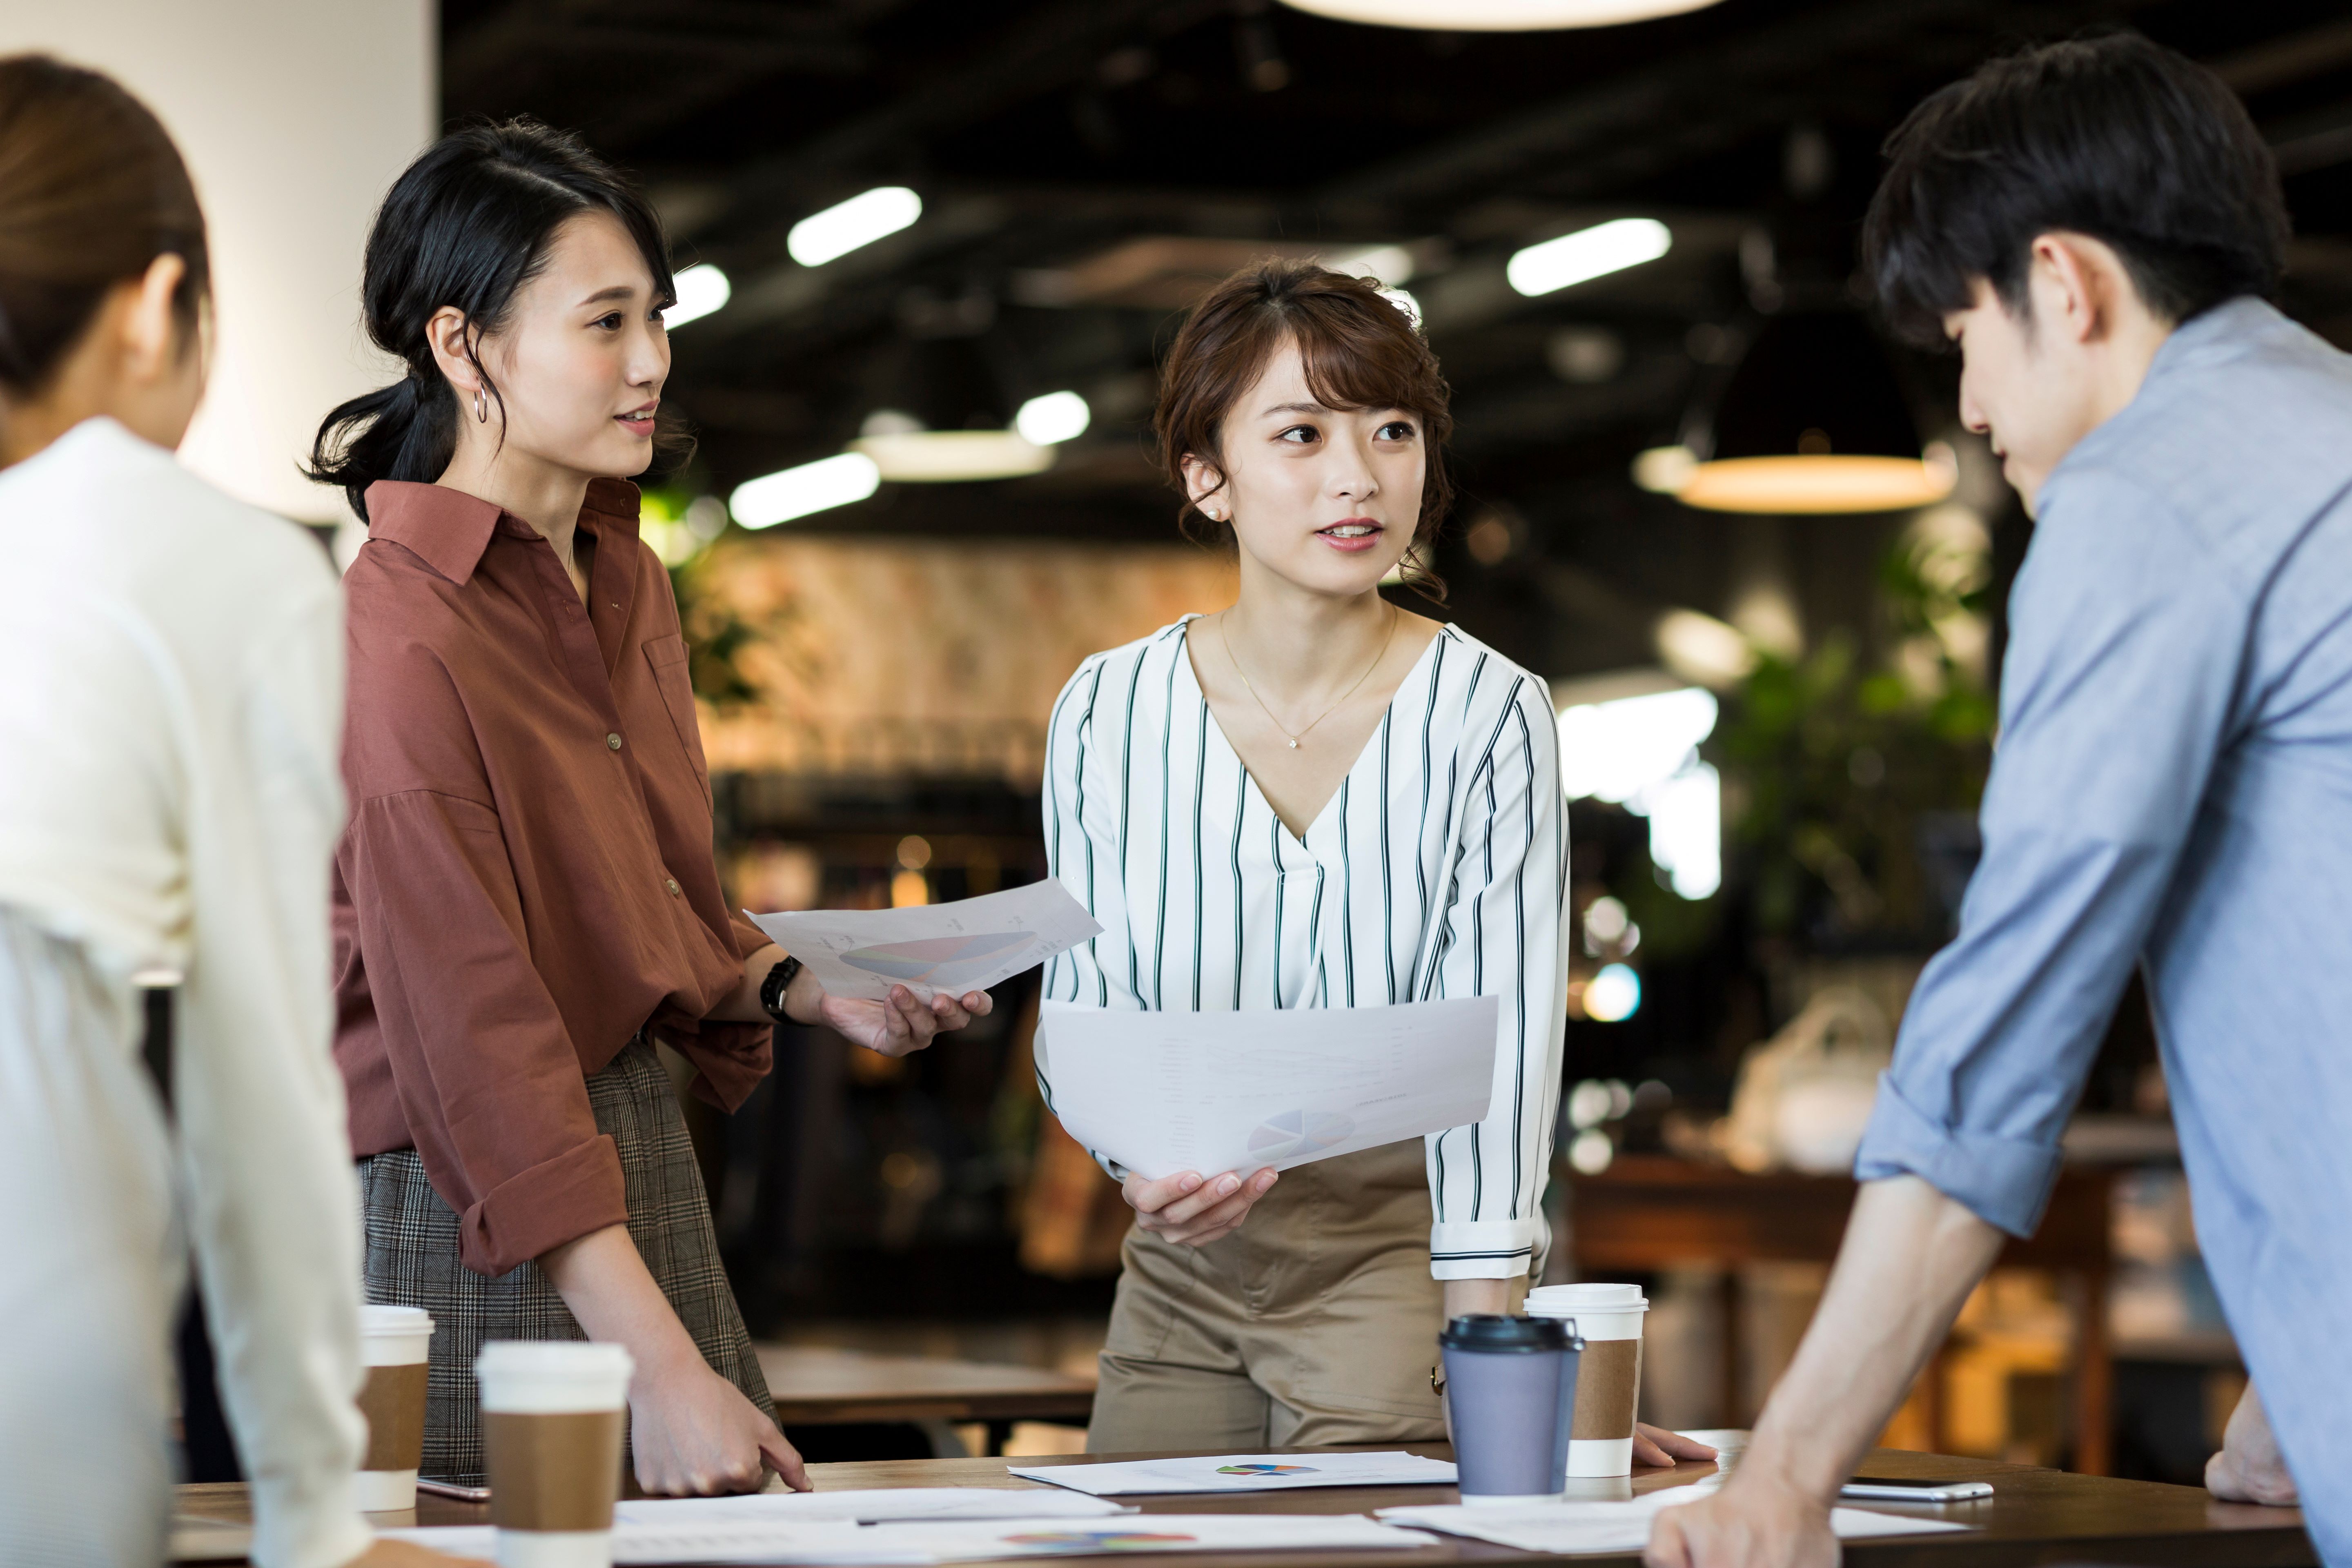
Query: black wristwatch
x=772 y=989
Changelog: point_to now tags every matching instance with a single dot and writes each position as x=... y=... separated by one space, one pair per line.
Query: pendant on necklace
x=1294 y=745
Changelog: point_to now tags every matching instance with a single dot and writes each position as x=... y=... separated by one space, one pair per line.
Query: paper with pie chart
x=1241 y=1473
x=1163 y=1092
x=969 y=945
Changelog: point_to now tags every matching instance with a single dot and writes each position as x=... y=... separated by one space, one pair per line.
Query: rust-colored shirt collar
x=449 y=530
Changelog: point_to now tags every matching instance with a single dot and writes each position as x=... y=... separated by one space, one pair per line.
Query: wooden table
x=2035 y=1516
x=821 y=1386
x=1646 y=1213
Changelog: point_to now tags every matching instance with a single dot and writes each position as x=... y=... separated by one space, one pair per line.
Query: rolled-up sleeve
x=2127 y=642
x=484 y=1065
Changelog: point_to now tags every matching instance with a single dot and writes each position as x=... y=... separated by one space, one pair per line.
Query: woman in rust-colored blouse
x=525 y=898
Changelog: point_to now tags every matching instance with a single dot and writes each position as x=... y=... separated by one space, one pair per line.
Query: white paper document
x=720 y=1541
x=1152 y=1532
x=968 y=945
x=1617 y=1527
x=867 y=1505
x=1244 y=1473
x=638 y=1545
x=1163 y=1092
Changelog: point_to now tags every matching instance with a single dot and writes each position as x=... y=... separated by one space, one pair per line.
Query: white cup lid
x=1550 y=1300
x=404 y=1320
x=553 y=1358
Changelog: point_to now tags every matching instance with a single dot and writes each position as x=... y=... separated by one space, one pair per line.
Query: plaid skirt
x=411 y=1260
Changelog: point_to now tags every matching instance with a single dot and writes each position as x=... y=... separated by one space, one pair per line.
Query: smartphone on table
x=1913 y=1488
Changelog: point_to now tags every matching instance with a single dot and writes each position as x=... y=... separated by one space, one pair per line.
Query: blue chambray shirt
x=2173 y=787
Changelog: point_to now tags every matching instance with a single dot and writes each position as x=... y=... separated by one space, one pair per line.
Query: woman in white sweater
x=168 y=800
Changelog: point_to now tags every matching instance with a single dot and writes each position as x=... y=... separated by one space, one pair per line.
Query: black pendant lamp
x=1812 y=421
x=939 y=417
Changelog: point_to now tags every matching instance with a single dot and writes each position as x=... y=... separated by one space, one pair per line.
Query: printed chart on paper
x=969 y=945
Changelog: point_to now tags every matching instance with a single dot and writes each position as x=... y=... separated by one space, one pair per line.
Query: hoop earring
x=481 y=409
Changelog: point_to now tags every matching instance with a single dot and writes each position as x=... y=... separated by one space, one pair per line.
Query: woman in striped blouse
x=1314 y=798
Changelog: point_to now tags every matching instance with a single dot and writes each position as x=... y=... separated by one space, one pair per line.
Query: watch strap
x=772 y=990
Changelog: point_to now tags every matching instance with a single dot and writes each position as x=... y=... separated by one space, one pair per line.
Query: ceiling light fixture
x=846 y=226
x=1812 y=423
x=1589 y=253
x=1054 y=417
x=1391 y=265
x=701 y=291
x=1496 y=16
x=948 y=456
x=796 y=492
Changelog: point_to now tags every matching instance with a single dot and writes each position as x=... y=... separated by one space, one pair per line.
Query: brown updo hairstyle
x=1358 y=351
x=91 y=192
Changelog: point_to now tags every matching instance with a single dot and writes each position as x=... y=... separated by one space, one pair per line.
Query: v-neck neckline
x=1193 y=679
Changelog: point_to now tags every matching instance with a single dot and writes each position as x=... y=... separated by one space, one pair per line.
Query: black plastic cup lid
x=1495 y=1334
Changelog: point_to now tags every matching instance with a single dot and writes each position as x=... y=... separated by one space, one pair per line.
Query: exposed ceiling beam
x=2296 y=57
x=1697 y=83
x=737 y=42
x=1050 y=48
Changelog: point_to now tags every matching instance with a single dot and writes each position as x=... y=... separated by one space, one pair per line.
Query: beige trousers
x=1315 y=1322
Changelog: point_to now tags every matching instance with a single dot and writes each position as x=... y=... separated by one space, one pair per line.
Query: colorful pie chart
x=949 y=963
x=1077 y=1541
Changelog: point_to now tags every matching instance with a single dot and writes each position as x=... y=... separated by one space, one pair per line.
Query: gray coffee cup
x=1511 y=1383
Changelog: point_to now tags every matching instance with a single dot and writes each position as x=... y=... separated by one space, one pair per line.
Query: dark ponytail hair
x=91 y=192
x=465 y=227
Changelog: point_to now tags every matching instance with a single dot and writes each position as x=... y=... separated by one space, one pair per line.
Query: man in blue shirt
x=2096 y=225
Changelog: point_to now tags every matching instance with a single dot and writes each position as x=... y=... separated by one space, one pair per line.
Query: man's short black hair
x=2113 y=137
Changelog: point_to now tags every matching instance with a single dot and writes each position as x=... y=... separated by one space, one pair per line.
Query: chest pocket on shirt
x=669 y=658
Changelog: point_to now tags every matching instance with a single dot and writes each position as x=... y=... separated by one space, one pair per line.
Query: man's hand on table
x=1755 y=1522
x=2250 y=1467
x=408 y=1554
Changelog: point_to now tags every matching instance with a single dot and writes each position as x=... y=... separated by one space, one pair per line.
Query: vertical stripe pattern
x=1222 y=905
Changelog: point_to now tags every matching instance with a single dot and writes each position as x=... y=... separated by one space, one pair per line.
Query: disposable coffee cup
x=1609 y=1381
x=1509 y=1383
x=394 y=1342
x=553 y=1413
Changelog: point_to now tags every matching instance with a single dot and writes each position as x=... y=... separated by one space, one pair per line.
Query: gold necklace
x=1249 y=687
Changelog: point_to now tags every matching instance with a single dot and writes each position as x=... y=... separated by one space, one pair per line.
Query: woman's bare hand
x=1191 y=1212
x=694 y=1435
x=1657 y=1445
x=900 y=1026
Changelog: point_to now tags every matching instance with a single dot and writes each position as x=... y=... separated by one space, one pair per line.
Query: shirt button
x=613 y=742
x=671 y=883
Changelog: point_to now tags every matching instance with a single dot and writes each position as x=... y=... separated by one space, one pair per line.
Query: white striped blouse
x=1436 y=870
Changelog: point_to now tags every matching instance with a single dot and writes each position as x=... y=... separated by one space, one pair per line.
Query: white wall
x=294 y=116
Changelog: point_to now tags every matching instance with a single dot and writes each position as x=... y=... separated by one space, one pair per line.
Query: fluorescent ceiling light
x=942 y=456
x=1588 y=252
x=1817 y=484
x=701 y=289
x=1391 y=264
x=861 y=220
x=1055 y=417
x=796 y=492
x=1665 y=471
x=1496 y=16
